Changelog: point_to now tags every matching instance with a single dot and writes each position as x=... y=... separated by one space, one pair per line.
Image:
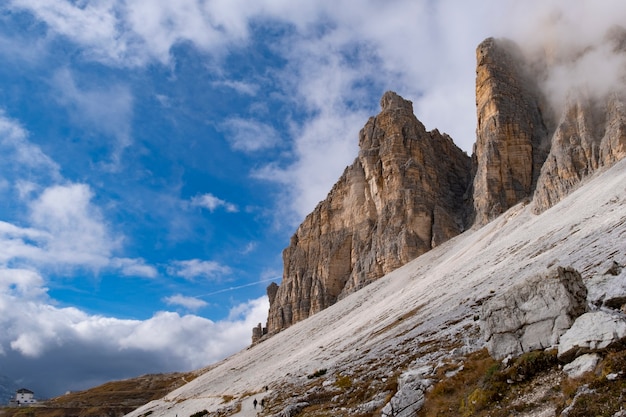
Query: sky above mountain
x=156 y=156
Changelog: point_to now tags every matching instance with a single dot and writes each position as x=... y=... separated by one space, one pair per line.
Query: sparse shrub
x=343 y=382
x=466 y=391
x=477 y=400
x=530 y=364
x=317 y=374
x=483 y=383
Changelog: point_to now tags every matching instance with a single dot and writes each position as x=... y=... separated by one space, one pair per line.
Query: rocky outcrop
x=587 y=138
x=533 y=315
x=512 y=136
x=520 y=153
x=608 y=290
x=411 y=394
x=404 y=194
x=595 y=331
x=582 y=365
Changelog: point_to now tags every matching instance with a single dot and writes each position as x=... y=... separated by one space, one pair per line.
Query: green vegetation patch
x=483 y=383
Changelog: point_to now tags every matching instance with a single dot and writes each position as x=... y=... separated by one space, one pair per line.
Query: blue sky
x=156 y=156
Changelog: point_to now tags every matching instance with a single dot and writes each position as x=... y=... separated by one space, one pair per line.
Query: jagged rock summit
x=403 y=195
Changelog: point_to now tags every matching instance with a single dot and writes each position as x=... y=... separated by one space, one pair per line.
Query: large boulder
x=608 y=289
x=595 y=331
x=410 y=397
x=582 y=365
x=534 y=314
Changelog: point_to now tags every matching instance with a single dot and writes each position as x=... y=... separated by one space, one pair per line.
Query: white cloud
x=78 y=234
x=241 y=87
x=92 y=24
x=195 y=268
x=134 y=267
x=107 y=110
x=190 y=303
x=20 y=155
x=22 y=283
x=59 y=225
x=249 y=135
x=39 y=337
x=211 y=203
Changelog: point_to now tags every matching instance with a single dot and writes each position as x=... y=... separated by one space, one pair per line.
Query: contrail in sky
x=237 y=287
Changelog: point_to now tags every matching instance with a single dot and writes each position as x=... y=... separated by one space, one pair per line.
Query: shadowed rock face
x=403 y=195
x=589 y=136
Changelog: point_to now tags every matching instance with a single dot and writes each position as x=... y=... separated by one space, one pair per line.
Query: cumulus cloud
x=196 y=268
x=57 y=224
x=57 y=349
x=76 y=229
x=249 y=135
x=190 y=303
x=211 y=203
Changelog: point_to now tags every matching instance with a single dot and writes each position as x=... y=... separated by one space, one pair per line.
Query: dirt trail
x=247 y=405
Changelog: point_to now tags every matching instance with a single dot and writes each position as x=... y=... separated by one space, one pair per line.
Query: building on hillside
x=23 y=397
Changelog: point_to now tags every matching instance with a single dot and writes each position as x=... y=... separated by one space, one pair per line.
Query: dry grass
x=608 y=395
x=487 y=388
x=111 y=399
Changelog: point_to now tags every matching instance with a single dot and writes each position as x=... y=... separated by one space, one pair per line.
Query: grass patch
x=344 y=382
x=607 y=396
x=483 y=383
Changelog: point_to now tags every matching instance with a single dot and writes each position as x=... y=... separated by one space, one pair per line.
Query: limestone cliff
x=520 y=153
x=409 y=190
x=511 y=136
x=404 y=194
x=588 y=137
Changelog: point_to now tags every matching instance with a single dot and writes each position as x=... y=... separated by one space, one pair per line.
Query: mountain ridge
x=410 y=190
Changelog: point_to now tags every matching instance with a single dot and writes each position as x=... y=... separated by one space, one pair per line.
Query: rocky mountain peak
x=402 y=196
x=392 y=101
x=409 y=189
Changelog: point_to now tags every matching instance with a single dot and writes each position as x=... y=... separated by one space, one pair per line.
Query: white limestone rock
x=533 y=315
x=581 y=365
x=595 y=331
x=608 y=289
x=410 y=397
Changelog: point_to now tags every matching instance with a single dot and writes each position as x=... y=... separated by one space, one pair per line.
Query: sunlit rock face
x=511 y=135
x=405 y=193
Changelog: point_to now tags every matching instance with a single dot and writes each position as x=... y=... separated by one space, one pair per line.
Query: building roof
x=24 y=391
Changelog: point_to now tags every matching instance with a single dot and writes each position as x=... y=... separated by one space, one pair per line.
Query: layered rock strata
x=511 y=135
x=404 y=194
x=588 y=136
